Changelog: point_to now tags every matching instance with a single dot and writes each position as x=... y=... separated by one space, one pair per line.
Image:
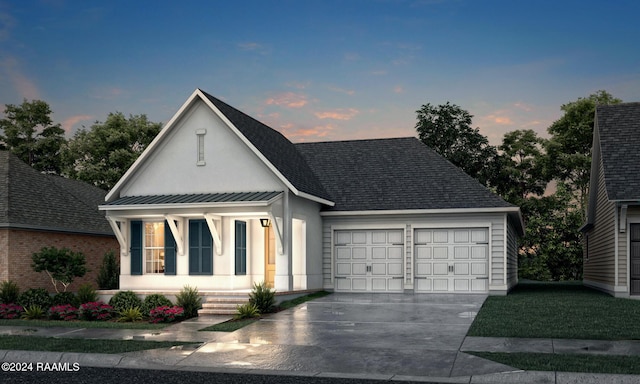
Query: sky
x=319 y=70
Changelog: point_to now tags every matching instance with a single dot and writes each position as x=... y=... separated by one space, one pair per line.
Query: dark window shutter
x=241 y=248
x=169 y=251
x=200 y=248
x=136 y=248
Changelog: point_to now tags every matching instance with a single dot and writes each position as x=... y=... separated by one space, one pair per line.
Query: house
x=612 y=230
x=219 y=201
x=38 y=210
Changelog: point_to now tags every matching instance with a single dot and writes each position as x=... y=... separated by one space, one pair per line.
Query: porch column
x=284 y=276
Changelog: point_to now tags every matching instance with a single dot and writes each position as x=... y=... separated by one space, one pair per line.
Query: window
x=200 y=248
x=241 y=248
x=154 y=247
x=200 y=135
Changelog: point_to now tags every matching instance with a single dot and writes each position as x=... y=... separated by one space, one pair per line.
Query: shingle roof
x=619 y=130
x=231 y=197
x=393 y=174
x=32 y=200
x=276 y=148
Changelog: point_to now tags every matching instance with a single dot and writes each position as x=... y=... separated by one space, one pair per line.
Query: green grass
x=629 y=365
x=302 y=299
x=80 y=324
x=234 y=325
x=229 y=326
x=51 y=344
x=558 y=310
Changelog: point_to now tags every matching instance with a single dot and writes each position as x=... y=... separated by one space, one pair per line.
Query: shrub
x=96 y=311
x=61 y=265
x=9 y=292
x=87 y=294
x=246 y=311
x=130 y=315
x=33 y=312
x=35 y=296
x=65 y=298
x=166 y=314
x=263 y=297
x=63 y=312
x=10 y=311
x=109 y=274
x=154 y=301
x=190 y=301
x=125 y=299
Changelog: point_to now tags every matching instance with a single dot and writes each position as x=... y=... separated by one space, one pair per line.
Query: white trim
x=230 y=204
x=623 y=217
x=278 y=227
x=421 y=211
x=120 y=235
x=177 y=231
x=316 y=199
x=215 y=230
x=616 y=253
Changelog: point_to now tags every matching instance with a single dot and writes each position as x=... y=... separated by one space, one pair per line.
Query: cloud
x=499 y=120
x=249 y=46
x=338 y=114
x=349 y=92
x=70 y=122
x=298 y=85
x=288 y=99
x=21 y=83
x=300 y=134
x=398 y=89
x=351 y=56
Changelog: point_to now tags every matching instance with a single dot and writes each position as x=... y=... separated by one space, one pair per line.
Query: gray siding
x=512 y=255
x=495 y=222
x=600 y=257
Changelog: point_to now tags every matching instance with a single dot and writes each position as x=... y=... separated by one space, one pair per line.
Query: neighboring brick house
x=38 y=210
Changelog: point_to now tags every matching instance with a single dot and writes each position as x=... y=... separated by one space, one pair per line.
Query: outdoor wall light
x=265 y=223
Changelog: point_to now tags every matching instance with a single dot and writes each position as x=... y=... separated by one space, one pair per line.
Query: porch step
x=223 y=303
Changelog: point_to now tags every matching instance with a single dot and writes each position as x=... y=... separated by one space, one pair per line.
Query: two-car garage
x=443 y=260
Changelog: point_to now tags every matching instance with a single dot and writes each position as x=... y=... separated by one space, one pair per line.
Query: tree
x=29 y=133
x=569 y=149
x=101 y=155
x=522 y=166
x=109 y=272
x=62 y=265
x=447 y=129
x=552 y=246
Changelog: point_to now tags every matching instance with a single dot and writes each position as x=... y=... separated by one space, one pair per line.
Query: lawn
x=81 y=324
x=34 y=343
x=558 y=310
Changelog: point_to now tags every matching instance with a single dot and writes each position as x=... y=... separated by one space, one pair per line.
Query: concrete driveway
x=374 y=334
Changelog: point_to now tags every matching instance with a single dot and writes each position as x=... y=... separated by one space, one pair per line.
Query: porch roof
x=221 y=199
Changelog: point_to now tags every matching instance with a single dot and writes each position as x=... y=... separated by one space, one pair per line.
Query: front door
x=269 y=256
x=634 y=245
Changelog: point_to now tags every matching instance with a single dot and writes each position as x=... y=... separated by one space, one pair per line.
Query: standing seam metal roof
x=196 y=198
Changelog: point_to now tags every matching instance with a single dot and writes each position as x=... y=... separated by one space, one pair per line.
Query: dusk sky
x=320 y=70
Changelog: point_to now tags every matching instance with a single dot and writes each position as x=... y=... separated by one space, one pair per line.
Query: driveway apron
x=385 y=334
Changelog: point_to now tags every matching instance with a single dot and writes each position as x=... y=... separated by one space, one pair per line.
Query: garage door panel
x=379 y=253
x=440 y=252
x=461 y=236
x=394 y=269
x=451 y=260
x=440 y=268
x=369 y=260
x=394 y=253
x=359 y=253
x=461 y=252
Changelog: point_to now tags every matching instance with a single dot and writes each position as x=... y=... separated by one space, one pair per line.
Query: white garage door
x=451 y=260
x=369 y=260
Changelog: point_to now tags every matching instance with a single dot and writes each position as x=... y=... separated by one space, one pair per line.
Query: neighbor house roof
x=619 y=134
x=32 y=200
x=393 y=174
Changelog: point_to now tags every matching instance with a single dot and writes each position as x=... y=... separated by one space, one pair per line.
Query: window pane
x=154 y=247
